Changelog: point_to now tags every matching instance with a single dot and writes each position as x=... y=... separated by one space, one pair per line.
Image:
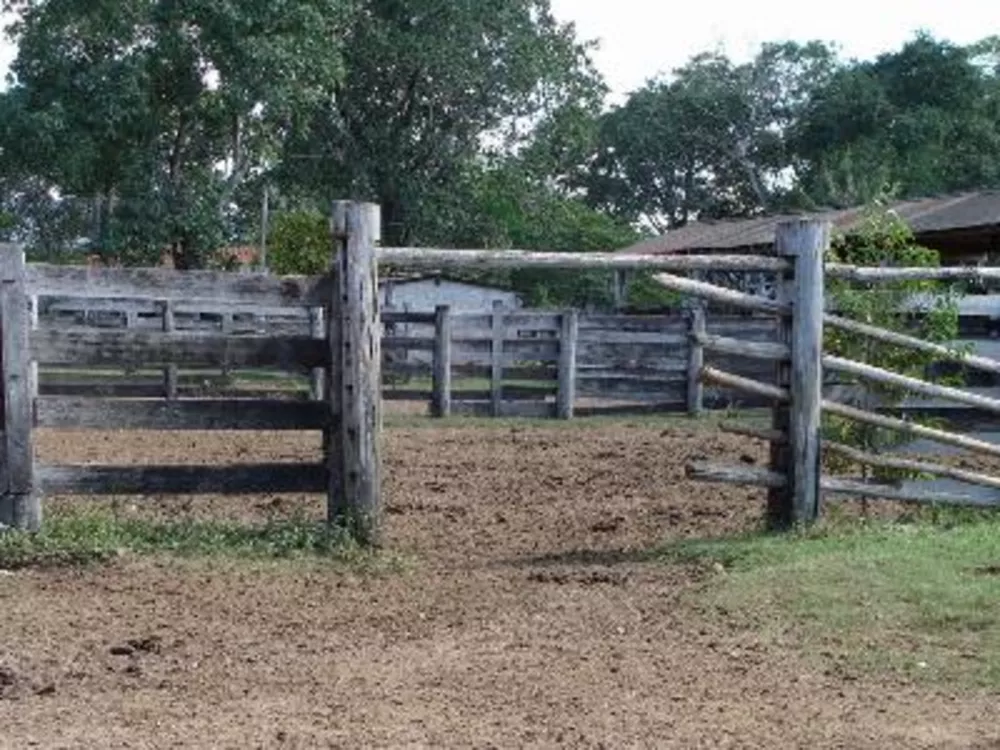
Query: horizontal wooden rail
x=721 y=295
x=940 y=273
x=729 y=380
x=142 y=414
x=739 y=348
x=760 y=350
x=886 y=377
x=179 y=286
x=183 y=480
x=507 y=409
x=866 y=459
x=891 y=337
x=748 y=475
x=431 y=258
x=89 y=348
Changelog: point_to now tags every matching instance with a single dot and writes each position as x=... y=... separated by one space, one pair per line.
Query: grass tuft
x=920 y=598
x=86 y=537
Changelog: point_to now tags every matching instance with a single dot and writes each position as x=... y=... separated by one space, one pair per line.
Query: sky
x=640 y=39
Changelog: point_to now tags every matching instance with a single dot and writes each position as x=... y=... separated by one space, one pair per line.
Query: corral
x=522 y=602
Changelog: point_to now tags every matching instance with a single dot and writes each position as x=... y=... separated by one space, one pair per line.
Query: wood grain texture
x=496 y=351
x=183 y=480
x=179 y=286
x=20 y=503
x=441 y=382
x=750 y=476
x=359 y=361
x=195 y=414
x=432 y=258
x=90 y=348
x=806 y=242
x=849 y=412
x=568 y=334
x=508 y=409
x=170 y=371
x=696 y=360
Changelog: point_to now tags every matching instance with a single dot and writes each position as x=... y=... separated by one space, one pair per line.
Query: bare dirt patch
x=527 y=616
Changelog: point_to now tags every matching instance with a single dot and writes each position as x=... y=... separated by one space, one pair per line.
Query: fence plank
x=423 y=258
x=441 y=398
x=180 y=286
x=496 y=350
x=859 y=415
x=566 y=394
x=90 y=348
x=183 y=480
x=696 y=360
x=200 y=414
x=745 y=475
x=20 y=503
x=509 y=409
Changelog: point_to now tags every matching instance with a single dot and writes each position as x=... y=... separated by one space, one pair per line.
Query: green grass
x=920 y=598
x=75 y=537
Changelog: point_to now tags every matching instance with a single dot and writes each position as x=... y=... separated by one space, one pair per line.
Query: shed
x=963 y=228
x=423 y=294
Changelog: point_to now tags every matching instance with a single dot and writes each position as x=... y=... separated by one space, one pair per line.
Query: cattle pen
x=342 y=355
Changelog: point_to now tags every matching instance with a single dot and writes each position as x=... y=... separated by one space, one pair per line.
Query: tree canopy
x=143 y=127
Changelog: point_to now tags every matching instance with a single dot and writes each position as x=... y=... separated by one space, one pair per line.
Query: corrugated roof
x=923 y=216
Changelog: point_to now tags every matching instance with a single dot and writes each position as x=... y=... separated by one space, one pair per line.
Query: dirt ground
x=523 y=617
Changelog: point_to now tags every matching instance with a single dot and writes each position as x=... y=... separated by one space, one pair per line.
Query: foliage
x=77 y=538
x=156 y=111
x=432 y=87
x=299 y=243
x=709 y=142
x=922 y=120
x=884 y=240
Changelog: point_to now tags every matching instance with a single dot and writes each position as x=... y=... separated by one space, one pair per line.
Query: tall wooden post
x=170 y=376
x=20 y=505
x=568 y=335
x=498 y=329
x=696 y=359
x=441 y=384
x=804 y=242
x=33 y=318
x=353 y=450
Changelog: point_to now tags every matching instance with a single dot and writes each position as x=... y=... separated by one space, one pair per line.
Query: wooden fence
x=343 y=358
x=347 y=361
x=524 y=363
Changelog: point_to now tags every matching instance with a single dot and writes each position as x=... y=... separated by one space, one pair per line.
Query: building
x=423 y=294
x=963 y=228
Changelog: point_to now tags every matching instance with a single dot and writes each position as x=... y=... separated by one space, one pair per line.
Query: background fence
x=498 y=363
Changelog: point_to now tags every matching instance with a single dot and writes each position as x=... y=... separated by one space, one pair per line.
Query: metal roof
x=923 y=216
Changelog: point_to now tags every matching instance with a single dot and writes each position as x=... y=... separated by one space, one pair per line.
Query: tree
x=922 y=120
x=432 y=86
x=709 y=142
x=159 y=110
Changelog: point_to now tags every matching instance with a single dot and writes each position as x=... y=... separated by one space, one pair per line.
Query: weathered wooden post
x=805 y=243
x=355 y=377
x=33 y=316
x=568 y=334
x=696 y=359
x=441 y=397
x=170 y=376
x=20 y=505
x=498 y=328
x=317 y=329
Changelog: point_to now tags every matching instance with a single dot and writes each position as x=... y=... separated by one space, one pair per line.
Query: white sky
x=642 y=38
